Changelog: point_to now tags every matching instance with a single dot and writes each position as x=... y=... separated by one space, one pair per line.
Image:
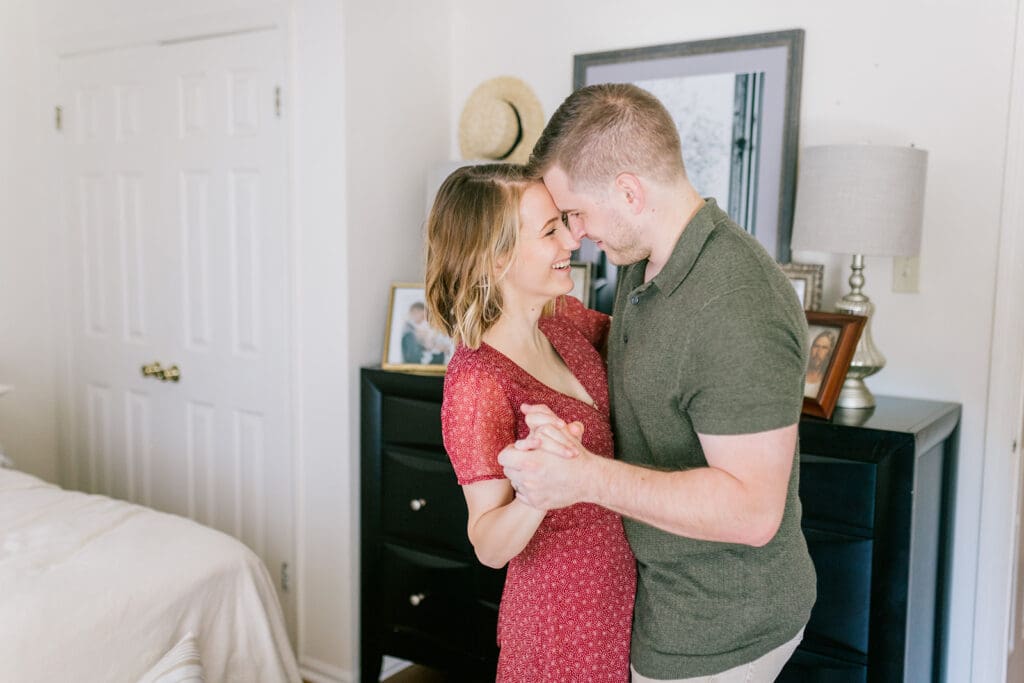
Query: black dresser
x=876 y=487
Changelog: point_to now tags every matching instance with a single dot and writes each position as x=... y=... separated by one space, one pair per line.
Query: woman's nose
x=570 y=240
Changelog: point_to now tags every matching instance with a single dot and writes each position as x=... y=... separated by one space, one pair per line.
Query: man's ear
x=631 y=192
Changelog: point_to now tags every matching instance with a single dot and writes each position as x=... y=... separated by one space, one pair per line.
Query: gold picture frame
x=580 y=273
x=410 y=343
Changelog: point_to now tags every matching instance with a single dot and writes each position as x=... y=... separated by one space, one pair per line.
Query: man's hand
x=548 y=468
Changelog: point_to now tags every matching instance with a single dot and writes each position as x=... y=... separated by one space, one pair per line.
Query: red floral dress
x=567 y=608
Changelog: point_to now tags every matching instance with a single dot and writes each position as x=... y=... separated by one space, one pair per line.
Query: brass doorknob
x=153 y=369
x=171 y=374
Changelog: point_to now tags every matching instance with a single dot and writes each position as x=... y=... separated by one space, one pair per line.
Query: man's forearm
x=705 y=503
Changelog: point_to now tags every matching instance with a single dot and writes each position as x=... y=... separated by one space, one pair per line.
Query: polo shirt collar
x=688 y=248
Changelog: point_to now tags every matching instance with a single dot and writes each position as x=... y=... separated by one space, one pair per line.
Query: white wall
x=397 y=120
x=935 y=74
x=27 y=348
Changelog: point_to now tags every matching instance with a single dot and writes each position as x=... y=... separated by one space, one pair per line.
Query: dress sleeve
x=592 y=324
x=477 y=422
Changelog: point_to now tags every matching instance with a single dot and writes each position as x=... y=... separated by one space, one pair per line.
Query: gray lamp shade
x=860 y=199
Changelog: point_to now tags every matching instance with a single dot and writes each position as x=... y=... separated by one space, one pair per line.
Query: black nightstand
x=876 y=487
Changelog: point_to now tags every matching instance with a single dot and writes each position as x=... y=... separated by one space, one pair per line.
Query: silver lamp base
x=867 y=359
x=855 y=394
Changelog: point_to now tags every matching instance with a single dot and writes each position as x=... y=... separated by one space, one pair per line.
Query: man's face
x=417 y=315
x=594 y=215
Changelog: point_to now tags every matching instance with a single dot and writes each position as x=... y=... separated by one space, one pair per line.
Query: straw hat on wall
x=501 y=121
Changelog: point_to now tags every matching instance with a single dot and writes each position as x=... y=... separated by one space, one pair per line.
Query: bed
x=95 y=589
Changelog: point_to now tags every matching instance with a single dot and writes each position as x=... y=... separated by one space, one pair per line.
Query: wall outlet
x=906 y=274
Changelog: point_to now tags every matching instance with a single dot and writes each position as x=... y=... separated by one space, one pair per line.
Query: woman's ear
x=631 y=191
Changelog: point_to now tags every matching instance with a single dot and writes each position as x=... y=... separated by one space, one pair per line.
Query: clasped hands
x=547 y=467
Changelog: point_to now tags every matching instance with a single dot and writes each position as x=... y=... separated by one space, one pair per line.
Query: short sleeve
x=592 y=324
x=477 y=422
x=748 y=364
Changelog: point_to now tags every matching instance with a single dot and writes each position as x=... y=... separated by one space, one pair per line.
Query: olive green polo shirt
x=714 y=344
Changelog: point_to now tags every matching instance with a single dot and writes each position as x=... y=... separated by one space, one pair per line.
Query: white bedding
x=94 y=589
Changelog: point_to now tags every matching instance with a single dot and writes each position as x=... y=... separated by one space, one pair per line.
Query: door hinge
x=277 y=101
x=58 y=117
x=286 y=580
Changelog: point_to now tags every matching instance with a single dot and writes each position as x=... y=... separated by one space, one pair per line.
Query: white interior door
x=175 y=190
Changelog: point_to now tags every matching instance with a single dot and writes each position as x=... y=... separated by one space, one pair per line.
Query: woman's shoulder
x=471 y=366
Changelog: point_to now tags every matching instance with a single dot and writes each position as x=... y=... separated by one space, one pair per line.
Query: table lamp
x=864 y=200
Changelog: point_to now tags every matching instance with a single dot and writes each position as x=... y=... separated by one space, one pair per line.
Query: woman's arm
x=499 y=525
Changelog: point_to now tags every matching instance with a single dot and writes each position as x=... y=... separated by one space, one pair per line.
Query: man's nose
x=570 y=239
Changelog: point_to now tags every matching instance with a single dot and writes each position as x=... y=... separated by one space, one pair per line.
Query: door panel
x=175 y=180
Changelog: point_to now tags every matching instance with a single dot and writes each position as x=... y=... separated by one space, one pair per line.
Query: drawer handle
x=416 y=599
x=417 y=504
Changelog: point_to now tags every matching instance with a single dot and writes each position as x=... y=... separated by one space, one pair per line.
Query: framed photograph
x=736 y=104
x=580 y=272
x=831 y=338
x=806 y=279
x=410 y=343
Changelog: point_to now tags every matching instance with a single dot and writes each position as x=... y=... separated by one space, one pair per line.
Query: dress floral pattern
x=567 y=608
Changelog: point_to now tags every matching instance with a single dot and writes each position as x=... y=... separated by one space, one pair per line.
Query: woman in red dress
x=497 y=275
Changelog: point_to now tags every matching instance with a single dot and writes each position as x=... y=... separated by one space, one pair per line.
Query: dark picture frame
x=410 y=344
x=736 y=101
x=806 y=279
x=832 y=340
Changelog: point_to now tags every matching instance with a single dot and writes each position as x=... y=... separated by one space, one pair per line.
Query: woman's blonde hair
x=472 y=230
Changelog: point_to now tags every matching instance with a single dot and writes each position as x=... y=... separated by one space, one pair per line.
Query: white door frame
x=1002 y=454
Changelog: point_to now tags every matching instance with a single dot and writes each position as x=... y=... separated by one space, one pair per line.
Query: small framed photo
x=580 y=272
x=410 y=343
x=832 y=339
x=806 y=279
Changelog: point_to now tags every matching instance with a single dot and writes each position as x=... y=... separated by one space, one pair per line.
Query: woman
x=497 y=271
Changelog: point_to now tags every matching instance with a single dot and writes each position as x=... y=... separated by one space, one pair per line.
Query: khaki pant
x=764 y=669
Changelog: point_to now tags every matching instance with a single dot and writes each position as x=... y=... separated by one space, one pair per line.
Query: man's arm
x=738 y=498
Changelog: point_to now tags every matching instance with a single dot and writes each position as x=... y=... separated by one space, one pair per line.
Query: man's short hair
x=603 y=130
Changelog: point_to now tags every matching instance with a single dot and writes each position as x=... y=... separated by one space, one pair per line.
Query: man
x=706 y=359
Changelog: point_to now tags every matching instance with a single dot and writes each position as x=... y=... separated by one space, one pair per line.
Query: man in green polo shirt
x=706 y=360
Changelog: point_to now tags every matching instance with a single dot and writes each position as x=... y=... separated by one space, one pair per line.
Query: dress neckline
x=593 y=406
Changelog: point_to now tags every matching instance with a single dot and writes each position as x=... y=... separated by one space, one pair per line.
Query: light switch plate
x=906 y=274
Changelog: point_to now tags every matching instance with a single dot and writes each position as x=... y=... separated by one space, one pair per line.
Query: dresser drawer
x=421 y=500
x=436 y=598
x=842 y=613
x=411 y=421
x=809 y=667
x=838 y=494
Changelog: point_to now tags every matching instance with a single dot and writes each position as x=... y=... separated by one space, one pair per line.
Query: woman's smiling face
x=540 y=268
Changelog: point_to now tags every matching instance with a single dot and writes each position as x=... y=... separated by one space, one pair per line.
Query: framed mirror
x=736 y=104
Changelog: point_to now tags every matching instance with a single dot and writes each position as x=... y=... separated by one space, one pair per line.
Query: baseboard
x=315 y=671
